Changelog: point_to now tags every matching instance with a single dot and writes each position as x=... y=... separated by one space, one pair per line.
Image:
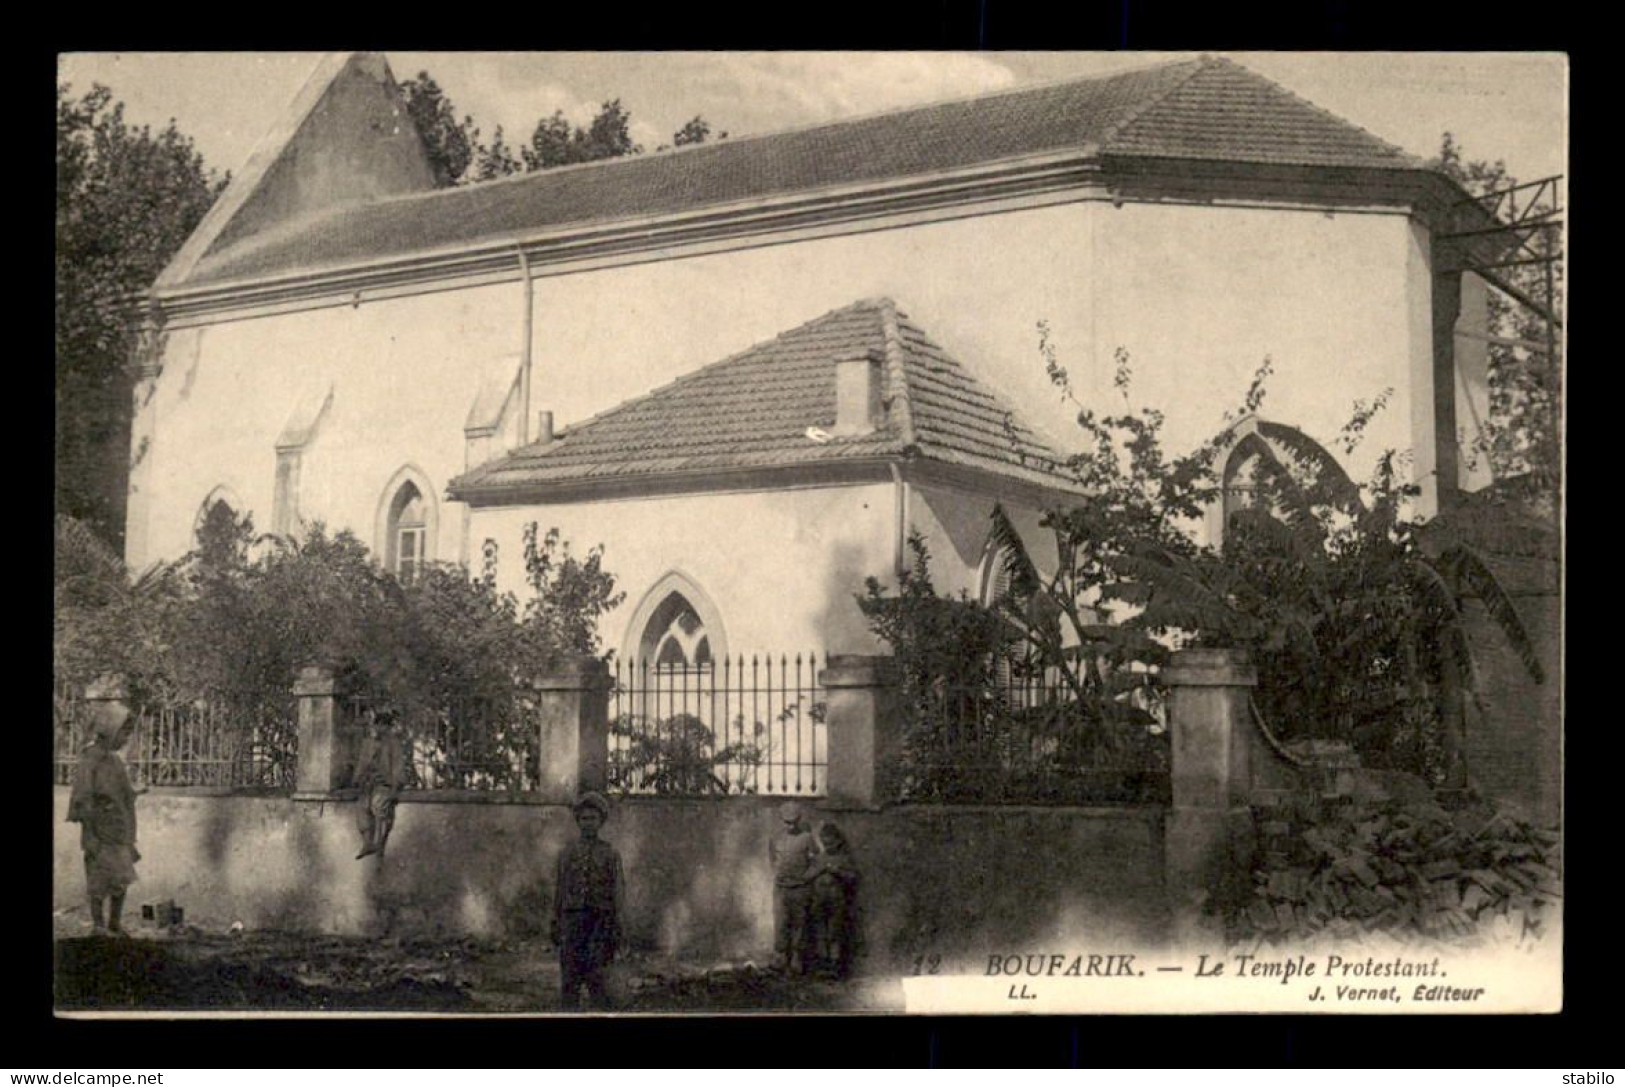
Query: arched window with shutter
x=406 y=524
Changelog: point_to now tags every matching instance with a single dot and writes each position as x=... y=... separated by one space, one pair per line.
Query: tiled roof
x=1225 y=112
x=754 y=410
x=1209 y=109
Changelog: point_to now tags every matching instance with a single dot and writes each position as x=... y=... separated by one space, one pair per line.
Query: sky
x=1509 y=106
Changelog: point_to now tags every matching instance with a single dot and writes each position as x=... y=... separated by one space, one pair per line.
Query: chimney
x=544 y=428
x=857 y=392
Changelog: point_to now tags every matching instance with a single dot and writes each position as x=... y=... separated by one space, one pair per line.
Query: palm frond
x=1330 y=480
x=1295 y=505
x=1473 y=571
x=1439 y=597
x=1182 y=594
x=1022 y=575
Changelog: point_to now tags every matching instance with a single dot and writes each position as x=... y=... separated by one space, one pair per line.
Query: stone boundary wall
x=944 y=880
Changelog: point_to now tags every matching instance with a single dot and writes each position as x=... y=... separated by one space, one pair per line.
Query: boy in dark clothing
x=587 y=899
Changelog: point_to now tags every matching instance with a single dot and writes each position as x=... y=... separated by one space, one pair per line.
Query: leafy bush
x=936 y=639
x=678 y=756
x=998 y=709
x=104 y=620
x=1348 y=868
x=1352 y=614
x=242 y=614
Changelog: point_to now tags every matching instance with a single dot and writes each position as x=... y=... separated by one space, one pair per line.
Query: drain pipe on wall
x=899 y=555
x=524 y=348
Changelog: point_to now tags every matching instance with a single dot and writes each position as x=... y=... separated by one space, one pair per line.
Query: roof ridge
x=1217 y=61
x=898 y=366
x=735 y=141
x=694 y=375
x=1323 y=111
x=1053 y=459
x=810 y=126
x=1133 y=115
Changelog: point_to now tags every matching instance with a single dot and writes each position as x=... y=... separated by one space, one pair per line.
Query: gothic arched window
x=405 y=531
x=1270 y=456
x=675 y=636
x=1241 y=479
x=408 y=532
x=676 y=626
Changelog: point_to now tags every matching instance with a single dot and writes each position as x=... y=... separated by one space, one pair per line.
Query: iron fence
x=1038 y=738
x=490 y=744
x=224 y=739
x=738 y=726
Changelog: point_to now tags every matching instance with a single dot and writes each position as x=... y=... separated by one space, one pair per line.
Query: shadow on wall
x=966 y=521
x=936 y=881
x=263 y=862
x=698 y=882
x=845 y=629
x=483 y=870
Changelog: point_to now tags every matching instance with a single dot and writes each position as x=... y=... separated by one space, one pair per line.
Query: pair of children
x=815 y=896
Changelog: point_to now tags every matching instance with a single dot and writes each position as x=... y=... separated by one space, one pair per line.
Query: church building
x=751 y=368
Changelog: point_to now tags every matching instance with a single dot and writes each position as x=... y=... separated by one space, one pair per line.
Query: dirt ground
x=186 y=969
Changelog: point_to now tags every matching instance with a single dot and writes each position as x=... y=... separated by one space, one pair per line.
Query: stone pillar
x=572 y=704
x=865 y=729
x=1208 y=848
x=325 y=744
x=1446 y=304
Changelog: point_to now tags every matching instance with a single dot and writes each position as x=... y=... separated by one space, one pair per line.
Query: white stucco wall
x=1197 y=295
x=1419 y=391
x=404 y=373
x=978 y=285
x=781 y=567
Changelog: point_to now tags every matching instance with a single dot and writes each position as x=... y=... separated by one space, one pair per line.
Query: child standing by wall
x=587 y=907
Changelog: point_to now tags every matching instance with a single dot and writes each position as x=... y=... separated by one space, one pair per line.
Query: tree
x=459 y=156
x=558 y=143
x=126 y=198
x=1353 y=615
x=104 y=619
x=696 y=131
x=452 y=145
x=550 y=144
x=496 y=160
x=1521 y=437
x=233 y=621
x=569 y=596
